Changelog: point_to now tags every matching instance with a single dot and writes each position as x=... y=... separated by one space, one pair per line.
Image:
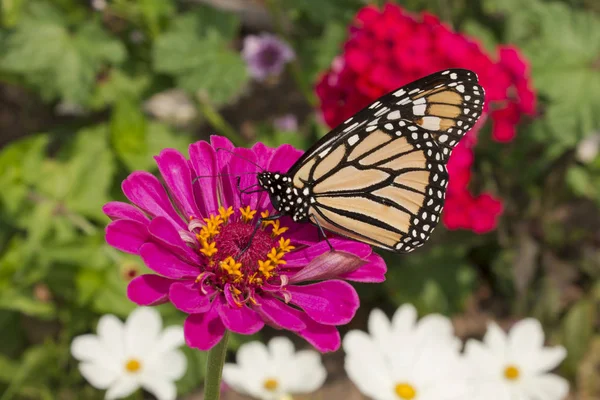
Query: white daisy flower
x=515 y=366
x=125 y=357
x=274 y=372
x=406 y=359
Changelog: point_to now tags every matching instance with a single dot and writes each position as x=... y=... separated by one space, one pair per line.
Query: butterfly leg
x=256 y=227
x=321 y=230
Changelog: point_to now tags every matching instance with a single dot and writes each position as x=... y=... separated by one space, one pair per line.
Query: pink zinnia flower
x=191 y=234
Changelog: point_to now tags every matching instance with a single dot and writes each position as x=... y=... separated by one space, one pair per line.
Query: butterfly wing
x=380 y=177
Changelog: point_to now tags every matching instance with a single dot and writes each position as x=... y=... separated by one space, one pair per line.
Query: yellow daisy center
x=132 y=365
x=511 y=373
x=405 y=391
x=271 y=384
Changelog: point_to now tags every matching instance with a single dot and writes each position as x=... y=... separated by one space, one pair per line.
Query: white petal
x=308 y=374
x=481 y=362
x=525 y=341
x=252 y=356
x=548 y=358
x=142 y=331
x=526 y=335
x=365 y=365
x=495 y=338
x=240 y=380
x=437 y=326
x=98 y=376
x=171 y=338
x=161 y=388
x=281 y=350
x=404 y=319
x=123 y=387
x=235 y=378
x=171 y=365
x=488 y=390
x=111 y=334
x=89 y=348
x=379 y=324
x=547 y=387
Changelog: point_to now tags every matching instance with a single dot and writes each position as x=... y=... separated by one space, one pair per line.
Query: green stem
x=214 y=369
x=218 y=122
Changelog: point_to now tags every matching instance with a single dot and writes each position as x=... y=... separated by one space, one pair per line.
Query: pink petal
x=327 y=266
x=204 y=163
x=227 y=188
x=203 y=331
x=149 y=290
x=324 y=338
x=301 y=257
x=241 y=319
x=166 y=234
x=242 y=167
x=278 y=314
x=126 y=235
x=119 y=210
x=176 y=172
x=187 y=297
x=165 y=263
x=145 y=191
x=330 y=302
x=373 y=272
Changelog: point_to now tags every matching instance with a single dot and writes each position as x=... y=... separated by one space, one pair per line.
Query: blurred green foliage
x=57 y=276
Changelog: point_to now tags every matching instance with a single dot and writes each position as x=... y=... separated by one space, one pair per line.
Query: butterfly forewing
x=380 y=177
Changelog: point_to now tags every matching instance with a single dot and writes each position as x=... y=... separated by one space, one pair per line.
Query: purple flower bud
x=266 y=55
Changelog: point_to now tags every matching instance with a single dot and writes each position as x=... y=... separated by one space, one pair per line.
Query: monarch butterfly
x=380 y=177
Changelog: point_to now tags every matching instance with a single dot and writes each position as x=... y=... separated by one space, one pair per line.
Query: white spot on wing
x=394 y=115
x=420 y=109
x=431 y=123
x=353 y=140
x=399 y=93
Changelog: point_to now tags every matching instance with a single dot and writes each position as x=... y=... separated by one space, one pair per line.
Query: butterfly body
x=380 y=177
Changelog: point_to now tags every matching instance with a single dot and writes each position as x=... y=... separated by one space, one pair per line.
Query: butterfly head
x=284 y=196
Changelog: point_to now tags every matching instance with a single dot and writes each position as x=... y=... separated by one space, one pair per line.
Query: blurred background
x=91 y=90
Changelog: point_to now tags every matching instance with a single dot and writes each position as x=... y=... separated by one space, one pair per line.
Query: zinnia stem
x=214 y=369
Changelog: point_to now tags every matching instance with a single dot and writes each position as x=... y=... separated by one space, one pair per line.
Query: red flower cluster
x=389 y=48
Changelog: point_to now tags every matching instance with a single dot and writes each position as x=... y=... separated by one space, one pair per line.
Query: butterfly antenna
x=220 y=175
x=241 y=157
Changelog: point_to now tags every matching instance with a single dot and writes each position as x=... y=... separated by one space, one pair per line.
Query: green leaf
x=577 y=331
x=89 y=172
x=14 y=300
x=439 y=280
x=119 y=85
x=199 y=58
x=154 y=12
x=11 y=12
x=128 y=133
x=34 y=361
x=563 y=45
x=58 y=61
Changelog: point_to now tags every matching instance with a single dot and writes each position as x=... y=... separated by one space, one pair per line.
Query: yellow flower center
x=271 y=384
x=511 y=373
x=235 y=255
x=406 y=391
x=132 y=365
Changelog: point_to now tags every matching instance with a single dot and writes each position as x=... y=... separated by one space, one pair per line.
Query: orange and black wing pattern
x=380 y=177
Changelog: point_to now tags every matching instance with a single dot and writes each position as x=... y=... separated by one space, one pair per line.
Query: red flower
x=388 y=48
